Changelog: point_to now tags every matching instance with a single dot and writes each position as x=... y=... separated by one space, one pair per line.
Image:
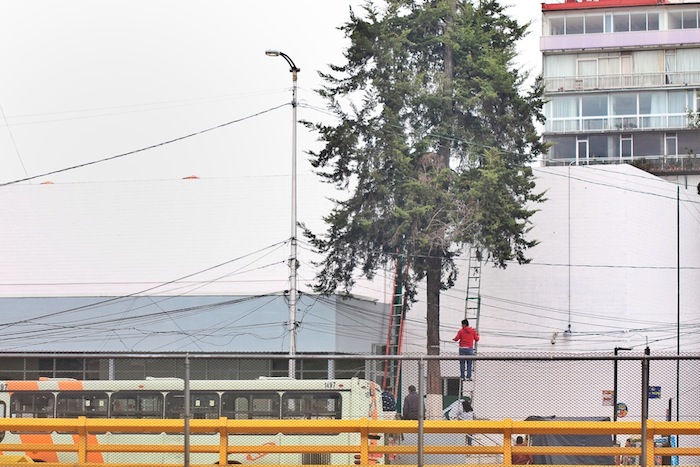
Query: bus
x=269 y=398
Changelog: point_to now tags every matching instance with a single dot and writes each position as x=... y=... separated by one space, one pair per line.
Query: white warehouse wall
x=605 y=264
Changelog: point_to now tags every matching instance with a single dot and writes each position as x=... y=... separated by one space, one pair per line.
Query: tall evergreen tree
x=434 y=138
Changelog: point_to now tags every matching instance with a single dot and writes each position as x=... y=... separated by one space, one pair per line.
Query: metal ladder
x=472 y=309
x=394 y=341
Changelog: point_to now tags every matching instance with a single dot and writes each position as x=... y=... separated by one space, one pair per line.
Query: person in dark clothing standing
x=411 y=404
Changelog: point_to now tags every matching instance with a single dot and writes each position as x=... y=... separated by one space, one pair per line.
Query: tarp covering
x=571 y=440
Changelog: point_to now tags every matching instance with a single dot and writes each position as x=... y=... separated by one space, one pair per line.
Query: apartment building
x=622 y=80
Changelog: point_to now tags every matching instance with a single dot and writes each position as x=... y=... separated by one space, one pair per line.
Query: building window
x=594 y=110
x=652 y=21
x=626 y=146
x=601 y=146
x=683 y=19
x=597 y=23
x=621 y=22
x=594 y=24
x=556 y=26
x=638 y=22
x=690 y=19
x=647 y=145
x=582 y=148
x=670 y=144
x=562 y=147
x=574 y=25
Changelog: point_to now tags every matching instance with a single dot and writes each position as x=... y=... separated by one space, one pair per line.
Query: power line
x=147 y=148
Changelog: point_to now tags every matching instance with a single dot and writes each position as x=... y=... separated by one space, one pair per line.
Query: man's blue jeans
x=465 y=351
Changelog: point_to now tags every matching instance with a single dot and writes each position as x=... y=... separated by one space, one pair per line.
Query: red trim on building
x=591 y=4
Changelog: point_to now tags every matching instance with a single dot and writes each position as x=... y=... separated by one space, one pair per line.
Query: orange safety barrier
x=366 y=452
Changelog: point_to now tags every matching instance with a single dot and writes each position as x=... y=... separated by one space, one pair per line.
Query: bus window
x=314 y=405
x=137 y=405
x=82 y=404
x=250 y=405
x=203 y=405
x=31 y=405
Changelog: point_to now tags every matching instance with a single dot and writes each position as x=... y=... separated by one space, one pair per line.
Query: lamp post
x=292 y=324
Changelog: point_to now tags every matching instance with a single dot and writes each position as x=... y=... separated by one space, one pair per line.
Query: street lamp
x=293 y=256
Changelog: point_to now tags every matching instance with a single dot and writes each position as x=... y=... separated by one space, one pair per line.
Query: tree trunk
x=433 y=279
x=434 y=271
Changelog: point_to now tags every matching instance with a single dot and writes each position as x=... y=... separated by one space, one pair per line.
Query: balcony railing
x=656 y=164
x=617 y=122
x=621 y=81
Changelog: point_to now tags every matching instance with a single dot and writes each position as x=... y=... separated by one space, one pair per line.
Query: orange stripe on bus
x=22 y=385
x=36 y=438
x=70 y=385
x=91 y=456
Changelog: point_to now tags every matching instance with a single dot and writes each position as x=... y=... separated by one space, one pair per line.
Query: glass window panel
x=594 y=24
x=676 y=102
x=582 y=148
x=608 y=22
x=594 y=105
x=626 y=145
x=677 y=121
x=621 y=22
x=562 y=147
x=652 y=21
x=609 y=66
x=689 y=143
x=624 y=104
x=599 y=145
x=574 y=25
x=310 y=406
x=137 y=405
x=687 y=60
x=203 y=405
x=164 y=368
x=80 y=404
x=675 y=20
x=671 y=144
x=648 y=61
x=250 y=405
x=670 y=66
x=347 y=368
x=559 y=65
x=556 y=26
x=690 y=19
x=638 y=22
x=647 y=144
x=251 y=369
x=31 y=405
x=652 y=103
x=587 y=67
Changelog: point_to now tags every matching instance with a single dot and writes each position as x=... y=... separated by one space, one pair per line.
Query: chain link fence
x=625 y=385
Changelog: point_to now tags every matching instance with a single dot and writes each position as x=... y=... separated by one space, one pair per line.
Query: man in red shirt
x=466 y=336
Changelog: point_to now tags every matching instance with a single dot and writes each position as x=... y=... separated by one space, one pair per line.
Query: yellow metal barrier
x=367 y=448
x=9 y=460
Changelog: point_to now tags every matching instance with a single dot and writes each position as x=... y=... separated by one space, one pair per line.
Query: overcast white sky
x=86 y=80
